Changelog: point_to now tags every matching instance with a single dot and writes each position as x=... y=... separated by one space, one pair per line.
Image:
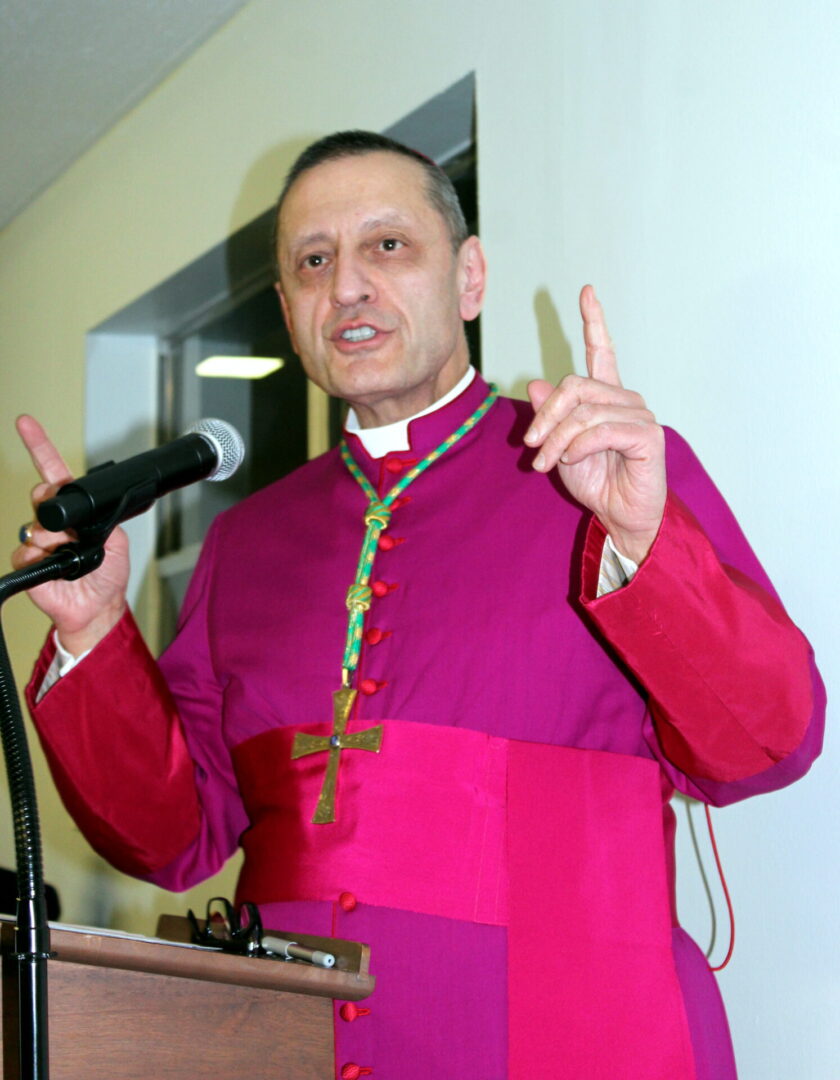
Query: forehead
x=347 y=192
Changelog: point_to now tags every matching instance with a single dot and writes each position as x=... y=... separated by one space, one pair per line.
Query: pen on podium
x=291 y=950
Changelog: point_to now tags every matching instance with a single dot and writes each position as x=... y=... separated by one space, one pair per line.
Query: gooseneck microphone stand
x=32 y=933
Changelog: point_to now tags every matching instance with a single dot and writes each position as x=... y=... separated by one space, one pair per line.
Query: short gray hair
x=439 y=188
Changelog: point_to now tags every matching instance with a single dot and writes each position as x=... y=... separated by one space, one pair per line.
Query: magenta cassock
x=508 y=854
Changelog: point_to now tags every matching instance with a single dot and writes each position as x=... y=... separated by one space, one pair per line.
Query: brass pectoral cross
x=369 y=739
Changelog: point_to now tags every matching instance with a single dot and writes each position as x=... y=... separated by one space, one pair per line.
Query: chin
x=361 y=376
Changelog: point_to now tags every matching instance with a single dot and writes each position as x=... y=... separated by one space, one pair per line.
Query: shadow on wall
x=555 y=351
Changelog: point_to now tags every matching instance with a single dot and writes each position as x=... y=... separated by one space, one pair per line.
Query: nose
x=351 y=282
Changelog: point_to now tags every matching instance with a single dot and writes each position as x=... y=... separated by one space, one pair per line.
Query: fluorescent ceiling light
x=237 y=367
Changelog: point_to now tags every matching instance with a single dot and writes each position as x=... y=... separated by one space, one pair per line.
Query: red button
x=396 y=465
x=347 y=901
x=403 y=500
x=386 y=543
x=351 y=1071
x=350 y=1011
x=381 y=588
x=370 y=686
x=375 y=635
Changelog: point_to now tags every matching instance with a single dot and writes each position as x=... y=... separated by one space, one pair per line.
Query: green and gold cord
x=377 y=516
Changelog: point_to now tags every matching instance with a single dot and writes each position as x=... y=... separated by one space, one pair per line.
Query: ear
x=287 y=317
x=472 y=277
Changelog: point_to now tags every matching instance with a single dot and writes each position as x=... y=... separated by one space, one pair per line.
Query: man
x=464 y=754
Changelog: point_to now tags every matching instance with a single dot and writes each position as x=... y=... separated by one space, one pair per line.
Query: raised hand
x=604 y=441
x=83 y=611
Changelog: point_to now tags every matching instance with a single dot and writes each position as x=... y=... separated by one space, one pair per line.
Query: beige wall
x=200 y=157
x=682 y=156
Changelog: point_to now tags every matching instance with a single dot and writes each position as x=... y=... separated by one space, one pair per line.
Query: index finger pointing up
x=46 y=459
x=600 y=354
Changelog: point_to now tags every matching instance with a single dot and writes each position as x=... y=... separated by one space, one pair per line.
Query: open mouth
x=358 y=333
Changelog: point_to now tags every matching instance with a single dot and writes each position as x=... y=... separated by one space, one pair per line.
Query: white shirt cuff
x=62 y=662
x=616 y=569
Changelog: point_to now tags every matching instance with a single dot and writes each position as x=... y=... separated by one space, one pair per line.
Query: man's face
x=373 y=295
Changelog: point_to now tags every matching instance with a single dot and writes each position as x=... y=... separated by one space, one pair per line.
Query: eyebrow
x=310 y=238
x=393 y=217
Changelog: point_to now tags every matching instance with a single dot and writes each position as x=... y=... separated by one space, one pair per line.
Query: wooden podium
x=129 y=1008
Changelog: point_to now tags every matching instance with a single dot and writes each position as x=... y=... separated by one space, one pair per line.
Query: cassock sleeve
x=736 y=704
x=152 y=803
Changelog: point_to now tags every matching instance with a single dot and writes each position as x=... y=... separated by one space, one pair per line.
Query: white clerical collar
x=379 y=441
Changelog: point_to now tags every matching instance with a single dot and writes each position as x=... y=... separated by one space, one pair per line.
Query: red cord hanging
x=729 y=907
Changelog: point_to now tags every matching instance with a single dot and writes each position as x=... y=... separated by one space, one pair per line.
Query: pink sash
x=564 y=847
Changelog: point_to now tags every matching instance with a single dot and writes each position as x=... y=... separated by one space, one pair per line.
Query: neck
x=384 y=438
x=392 y=410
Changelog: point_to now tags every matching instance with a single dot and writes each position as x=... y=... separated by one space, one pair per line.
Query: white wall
x=696 y=172
x=682 y=156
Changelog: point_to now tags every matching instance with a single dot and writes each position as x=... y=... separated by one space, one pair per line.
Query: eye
x=390 y=243
x=312 y=262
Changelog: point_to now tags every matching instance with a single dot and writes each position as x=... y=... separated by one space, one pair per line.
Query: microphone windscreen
x=226 y=441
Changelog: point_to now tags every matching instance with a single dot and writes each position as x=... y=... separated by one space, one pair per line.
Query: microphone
x=111 y=493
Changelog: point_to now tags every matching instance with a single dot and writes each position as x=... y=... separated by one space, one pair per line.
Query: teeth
x=359 y=333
